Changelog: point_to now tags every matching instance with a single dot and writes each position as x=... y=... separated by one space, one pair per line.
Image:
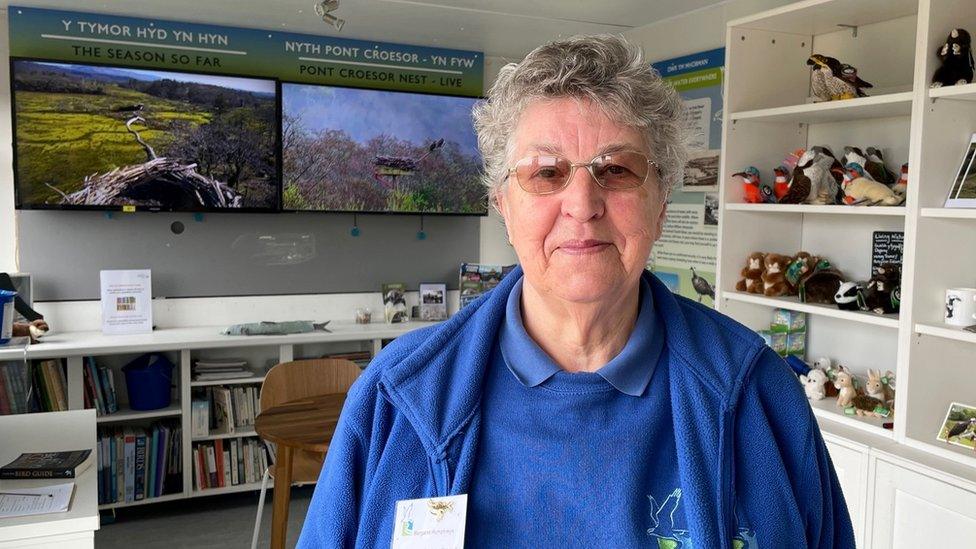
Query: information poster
x=126 y=302
x=685 y=255
x=57 y=35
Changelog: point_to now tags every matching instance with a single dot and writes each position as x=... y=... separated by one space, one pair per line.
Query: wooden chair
x=288 y=382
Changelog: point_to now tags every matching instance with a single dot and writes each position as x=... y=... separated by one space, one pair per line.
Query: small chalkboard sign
x=886 y=247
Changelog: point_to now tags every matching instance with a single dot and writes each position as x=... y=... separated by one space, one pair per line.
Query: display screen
x=99 y=137
x=357 y=150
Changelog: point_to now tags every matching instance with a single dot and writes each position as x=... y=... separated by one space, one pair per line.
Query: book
x=433 y=302
x=139 y=479
x=217 y=376
x=107 y=376
x=200 y=418
x=129 y=475
x=211 y=467
x=395 y=303
x=66 y=464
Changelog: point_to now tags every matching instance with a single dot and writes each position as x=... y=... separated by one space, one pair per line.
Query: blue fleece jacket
x=743 y=431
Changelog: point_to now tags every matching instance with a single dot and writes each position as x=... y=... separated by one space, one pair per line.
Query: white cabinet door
x=851 y=465
x=912 y=510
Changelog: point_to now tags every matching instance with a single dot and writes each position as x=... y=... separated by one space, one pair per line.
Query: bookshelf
x=767 y=114
x=182 y=346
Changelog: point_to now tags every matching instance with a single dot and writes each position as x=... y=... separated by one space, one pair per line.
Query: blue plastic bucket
x=6 y=315
x=148 y=380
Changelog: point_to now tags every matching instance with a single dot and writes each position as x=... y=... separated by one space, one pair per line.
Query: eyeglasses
x=551 y=173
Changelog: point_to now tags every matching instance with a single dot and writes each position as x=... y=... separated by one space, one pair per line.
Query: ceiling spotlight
x=324 y=9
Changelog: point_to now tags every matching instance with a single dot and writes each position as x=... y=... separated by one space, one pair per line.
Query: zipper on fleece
x=728 y=477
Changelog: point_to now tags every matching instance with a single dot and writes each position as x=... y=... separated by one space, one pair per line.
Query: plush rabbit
x=874 y=387
x=813 y=384
x=845 y=384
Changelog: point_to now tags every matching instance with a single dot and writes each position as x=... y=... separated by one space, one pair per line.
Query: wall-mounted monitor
x=359 y=150
x=111 y=138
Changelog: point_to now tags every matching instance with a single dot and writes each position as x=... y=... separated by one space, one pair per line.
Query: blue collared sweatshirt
x=744 y=437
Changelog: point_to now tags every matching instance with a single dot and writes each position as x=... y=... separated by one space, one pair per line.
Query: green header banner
x=160 y=44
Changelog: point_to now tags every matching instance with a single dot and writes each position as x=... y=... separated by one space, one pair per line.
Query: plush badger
x=957 y=60
x=850 y=296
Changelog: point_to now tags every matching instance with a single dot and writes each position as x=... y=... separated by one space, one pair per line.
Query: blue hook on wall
x=421 y=234
x=355 y=226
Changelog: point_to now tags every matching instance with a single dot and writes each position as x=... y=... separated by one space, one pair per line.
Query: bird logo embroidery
x=668 y=537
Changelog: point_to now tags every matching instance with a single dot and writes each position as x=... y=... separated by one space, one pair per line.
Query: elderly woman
x=580 y=403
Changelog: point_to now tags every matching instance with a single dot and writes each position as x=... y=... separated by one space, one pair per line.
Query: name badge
x=430 y=522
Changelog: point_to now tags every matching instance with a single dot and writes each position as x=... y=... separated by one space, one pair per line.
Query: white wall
x=696 y=31
x=495 y=248
x=8 y=241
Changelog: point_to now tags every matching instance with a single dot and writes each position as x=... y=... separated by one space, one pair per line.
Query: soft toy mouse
x=774 y=275
x=752 y=274
x=956 y=55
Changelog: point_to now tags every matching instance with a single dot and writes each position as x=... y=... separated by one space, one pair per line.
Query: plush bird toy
x=750 y=185
x=901 y=186
x=849 y=73
x=836 y=168
x=782 y=184
x=956 y=55
x=876 y=167
x=854 y=155
x=829 y=81
x=799 y=188
x=815 y=178
x=861 y=190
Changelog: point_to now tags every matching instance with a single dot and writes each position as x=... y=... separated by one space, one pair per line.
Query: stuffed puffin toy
x=956 y=55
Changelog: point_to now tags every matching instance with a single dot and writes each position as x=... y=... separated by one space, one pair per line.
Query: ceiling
x=506 y=28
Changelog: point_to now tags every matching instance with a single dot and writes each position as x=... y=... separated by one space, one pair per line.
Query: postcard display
x=163 y=96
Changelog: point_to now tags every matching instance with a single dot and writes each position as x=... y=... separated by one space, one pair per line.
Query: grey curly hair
x=605 y=69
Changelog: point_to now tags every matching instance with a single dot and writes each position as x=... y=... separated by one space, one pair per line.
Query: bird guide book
x=47 y=465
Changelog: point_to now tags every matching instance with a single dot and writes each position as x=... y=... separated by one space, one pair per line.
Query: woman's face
x=584 y=243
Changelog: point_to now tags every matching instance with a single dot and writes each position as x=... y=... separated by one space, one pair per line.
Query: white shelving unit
x=182 y=346
x=768 y=114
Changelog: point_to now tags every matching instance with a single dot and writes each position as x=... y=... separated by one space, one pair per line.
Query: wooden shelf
x=827 y=409
x=965 y=92
x=881 y=106
x=235 y=381
x=793 y=303
x=945 y=331
x=239 y=434
x=134 y=415
x=949 y=213
x=165 y=497
x=895 y=211
x=811 y=17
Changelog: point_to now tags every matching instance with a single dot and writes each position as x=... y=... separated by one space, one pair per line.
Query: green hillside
x=62 y=137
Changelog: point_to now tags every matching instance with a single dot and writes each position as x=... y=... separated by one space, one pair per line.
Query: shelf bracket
x=852 y=27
